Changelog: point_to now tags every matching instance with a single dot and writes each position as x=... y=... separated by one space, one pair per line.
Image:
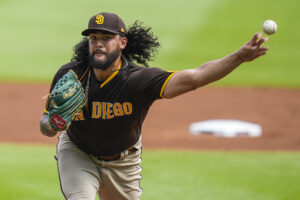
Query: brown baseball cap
x=106 y=22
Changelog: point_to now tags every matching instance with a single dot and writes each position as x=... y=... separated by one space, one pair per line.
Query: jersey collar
x=112 y=75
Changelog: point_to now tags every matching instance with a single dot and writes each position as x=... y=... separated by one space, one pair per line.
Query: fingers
x=253 y=49
x=255 y=41
x=262 y=51
x=254 y=38
x=264 y=48
x=262 y=40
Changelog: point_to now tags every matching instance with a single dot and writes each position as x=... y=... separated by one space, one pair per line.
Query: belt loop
x=124 y=153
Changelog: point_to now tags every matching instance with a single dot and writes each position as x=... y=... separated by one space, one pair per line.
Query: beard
x=104 y=64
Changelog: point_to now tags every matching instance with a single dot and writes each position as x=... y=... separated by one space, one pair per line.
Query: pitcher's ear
x=123 y=42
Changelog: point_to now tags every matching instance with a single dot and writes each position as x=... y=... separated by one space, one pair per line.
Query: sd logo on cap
x=99 y=19
x=106 y=22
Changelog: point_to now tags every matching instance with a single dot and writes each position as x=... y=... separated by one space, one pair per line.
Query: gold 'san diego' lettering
x=79 y=116
x=107 y=110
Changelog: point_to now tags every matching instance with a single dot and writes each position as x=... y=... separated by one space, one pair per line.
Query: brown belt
x=116 y=156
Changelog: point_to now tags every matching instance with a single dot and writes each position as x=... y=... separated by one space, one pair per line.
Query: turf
x=38 y=36
x=221 y=175
x=29 y=172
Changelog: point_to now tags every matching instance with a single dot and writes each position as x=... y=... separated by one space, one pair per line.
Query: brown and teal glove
x=65 y=101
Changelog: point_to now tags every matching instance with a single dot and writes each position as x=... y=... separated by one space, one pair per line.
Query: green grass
x=221 y=175
x=38 y=36
x=29 y=172
x=232 y=24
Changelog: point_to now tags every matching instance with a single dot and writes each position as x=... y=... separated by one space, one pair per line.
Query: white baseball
x=269 y=27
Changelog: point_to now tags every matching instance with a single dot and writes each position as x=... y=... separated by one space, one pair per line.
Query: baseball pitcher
x=99 y=101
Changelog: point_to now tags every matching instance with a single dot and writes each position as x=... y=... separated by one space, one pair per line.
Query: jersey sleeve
x=155 y=81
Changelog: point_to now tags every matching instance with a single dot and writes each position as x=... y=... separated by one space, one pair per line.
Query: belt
x=117 y=155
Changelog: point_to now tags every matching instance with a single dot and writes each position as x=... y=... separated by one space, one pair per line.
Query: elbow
x=204 y=75
x=194 y=84
x=196 y=81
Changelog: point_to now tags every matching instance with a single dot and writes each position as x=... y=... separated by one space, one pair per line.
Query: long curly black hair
x=141 y=47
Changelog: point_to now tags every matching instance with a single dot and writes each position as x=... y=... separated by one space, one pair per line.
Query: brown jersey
x=112 y=120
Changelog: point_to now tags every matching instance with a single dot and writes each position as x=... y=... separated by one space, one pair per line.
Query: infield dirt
x=167 y=124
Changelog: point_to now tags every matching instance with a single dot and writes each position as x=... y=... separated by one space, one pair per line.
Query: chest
x=116 y=89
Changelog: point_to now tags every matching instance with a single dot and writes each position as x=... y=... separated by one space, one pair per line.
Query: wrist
x=45 y=127
x=239 y=57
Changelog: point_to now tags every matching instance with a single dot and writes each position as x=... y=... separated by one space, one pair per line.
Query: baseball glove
x=65 y=101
